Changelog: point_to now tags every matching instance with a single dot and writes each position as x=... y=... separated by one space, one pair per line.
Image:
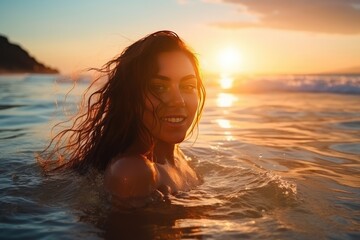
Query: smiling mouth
x=174 y=119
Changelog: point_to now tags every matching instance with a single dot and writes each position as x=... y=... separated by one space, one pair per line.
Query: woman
x=152 y=100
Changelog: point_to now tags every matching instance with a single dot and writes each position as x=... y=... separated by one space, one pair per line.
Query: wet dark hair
x=112 y=119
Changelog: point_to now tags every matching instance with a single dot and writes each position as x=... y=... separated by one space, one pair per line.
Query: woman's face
x=172 y=101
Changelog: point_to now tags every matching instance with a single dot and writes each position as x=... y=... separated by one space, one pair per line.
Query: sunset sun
x=229 y=61
x=229 y=64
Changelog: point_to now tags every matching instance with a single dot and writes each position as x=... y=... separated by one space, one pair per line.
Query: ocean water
x=279 y=157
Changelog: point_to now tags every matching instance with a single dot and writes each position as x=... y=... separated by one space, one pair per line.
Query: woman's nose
x=175 y=98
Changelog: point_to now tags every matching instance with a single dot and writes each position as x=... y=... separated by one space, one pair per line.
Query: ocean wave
x=346 y=84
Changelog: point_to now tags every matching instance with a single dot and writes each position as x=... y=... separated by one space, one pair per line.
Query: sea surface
x=279 y=157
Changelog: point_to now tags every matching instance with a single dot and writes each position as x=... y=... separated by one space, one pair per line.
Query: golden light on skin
x=226 y=100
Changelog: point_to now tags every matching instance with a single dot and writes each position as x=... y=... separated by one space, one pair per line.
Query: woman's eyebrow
x=188 y=77
x=165 y=78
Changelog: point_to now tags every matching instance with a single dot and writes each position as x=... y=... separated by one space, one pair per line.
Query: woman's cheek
x=192 y=103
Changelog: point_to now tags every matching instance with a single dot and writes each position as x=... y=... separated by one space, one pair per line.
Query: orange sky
x=272 y=36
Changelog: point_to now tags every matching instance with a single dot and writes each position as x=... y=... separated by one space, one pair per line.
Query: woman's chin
x=174 y=139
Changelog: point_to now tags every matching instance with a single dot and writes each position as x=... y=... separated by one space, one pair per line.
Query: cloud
x=325 y=16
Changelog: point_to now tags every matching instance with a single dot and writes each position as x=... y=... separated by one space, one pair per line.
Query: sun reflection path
x=226 y=100
x=223 y=123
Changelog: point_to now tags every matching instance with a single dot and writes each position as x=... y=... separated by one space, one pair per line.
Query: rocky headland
x=14 y=59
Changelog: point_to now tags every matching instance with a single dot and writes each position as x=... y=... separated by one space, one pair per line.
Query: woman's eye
x=158 y=88
x=189 y=87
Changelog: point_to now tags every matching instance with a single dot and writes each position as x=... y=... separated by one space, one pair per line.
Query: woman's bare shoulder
x=131 y=177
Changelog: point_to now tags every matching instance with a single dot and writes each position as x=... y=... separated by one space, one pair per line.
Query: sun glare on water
x=226 y=82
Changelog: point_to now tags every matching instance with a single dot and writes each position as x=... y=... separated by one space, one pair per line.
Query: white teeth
x=174 y=119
